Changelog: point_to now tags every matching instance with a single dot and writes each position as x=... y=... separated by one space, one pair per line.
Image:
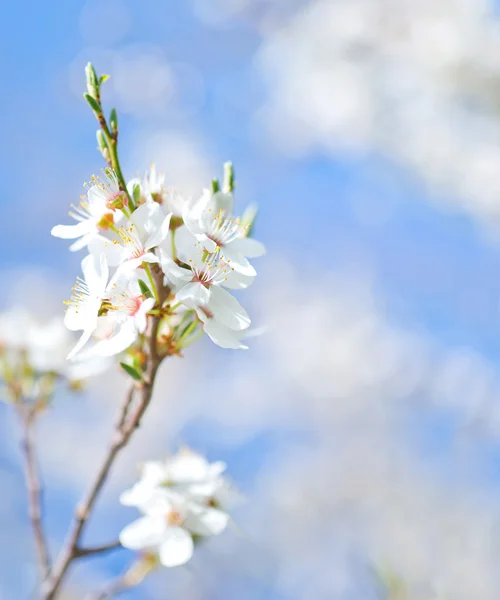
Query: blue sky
x=435 y=270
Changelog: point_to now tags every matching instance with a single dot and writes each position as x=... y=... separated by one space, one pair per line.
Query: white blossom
x=177 y=499
x=134 y=241
x=96 y=214
x=88 y=294
x=210 y=222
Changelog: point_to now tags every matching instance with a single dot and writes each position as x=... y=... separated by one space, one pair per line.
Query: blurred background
x=363 y=428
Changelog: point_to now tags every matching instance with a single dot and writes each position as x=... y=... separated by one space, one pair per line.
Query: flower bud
x=92 y=81
x=215 y=185
x=228 y=177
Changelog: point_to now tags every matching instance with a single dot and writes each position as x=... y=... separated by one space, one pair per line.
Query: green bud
x=92 y=80
x=228 y=177
x=215 y=185
x=113 y=121
x=248 y=219
x=94 y=105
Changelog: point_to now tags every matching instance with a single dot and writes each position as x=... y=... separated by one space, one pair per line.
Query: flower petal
x=146 y=532
x=177 y=547
x=157 y=236
x=227 y=310
x=206 y=520
x=248 y=247
x=193 y=294
x=124 y=336
x=222 y=336
x=70 y=232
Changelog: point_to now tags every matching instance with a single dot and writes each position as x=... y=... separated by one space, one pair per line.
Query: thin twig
x=126 y=424
x=34 y=488
x=97 y=550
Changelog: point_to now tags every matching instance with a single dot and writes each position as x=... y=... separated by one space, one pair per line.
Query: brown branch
x=34 y=488
x=129 y=419
x=96 y=550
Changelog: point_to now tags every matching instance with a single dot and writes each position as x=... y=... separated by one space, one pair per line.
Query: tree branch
x=93 y=550
x=128 y=420
x=34 y=488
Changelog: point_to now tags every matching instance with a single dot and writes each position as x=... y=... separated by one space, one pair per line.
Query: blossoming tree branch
x=158 y=274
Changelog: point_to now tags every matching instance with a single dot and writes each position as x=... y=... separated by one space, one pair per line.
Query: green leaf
x=145 y=290
x=131 y=371
x=103 y=78
x=136 y=193
x=94 y=105
x=215 y=185
x=228 y=177
x=101 y=140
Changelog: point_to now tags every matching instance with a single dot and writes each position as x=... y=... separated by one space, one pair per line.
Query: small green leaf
x=103 y=78
x=131 y=371
x=145 y=290
x=215 y=185
x=94 y=105
x=228 y=177
x=113 y=121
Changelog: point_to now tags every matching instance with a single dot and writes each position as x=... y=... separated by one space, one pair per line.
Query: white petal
x=223 y=201
x=84 y=338
x=158 y=236
x=83 y=241
x=186 y=244
x=237 y=261
x=227 y=310
x=123 y=337
x=177 y=548
x=140 y=318
x=237 y=281
x=146 y=219
x=146 y=532
x=172 y=271
x=206 y=520
x=222 y=336
x=248 y=247
x=193 y=294
x=114 y=252
x=70 y=232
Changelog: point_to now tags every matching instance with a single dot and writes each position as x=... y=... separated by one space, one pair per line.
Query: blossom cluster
x=182 y=500
x=33 y=356
x=150 y=251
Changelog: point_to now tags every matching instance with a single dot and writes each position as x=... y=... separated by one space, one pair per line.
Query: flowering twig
x=27 y=419
x=128 y=421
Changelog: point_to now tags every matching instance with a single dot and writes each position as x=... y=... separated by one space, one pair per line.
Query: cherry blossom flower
x=123 y=315
x=146 y=228
x=209 y=221
x=85 y=303
x=200 y=288
x=177 y=498
x=95 y=215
